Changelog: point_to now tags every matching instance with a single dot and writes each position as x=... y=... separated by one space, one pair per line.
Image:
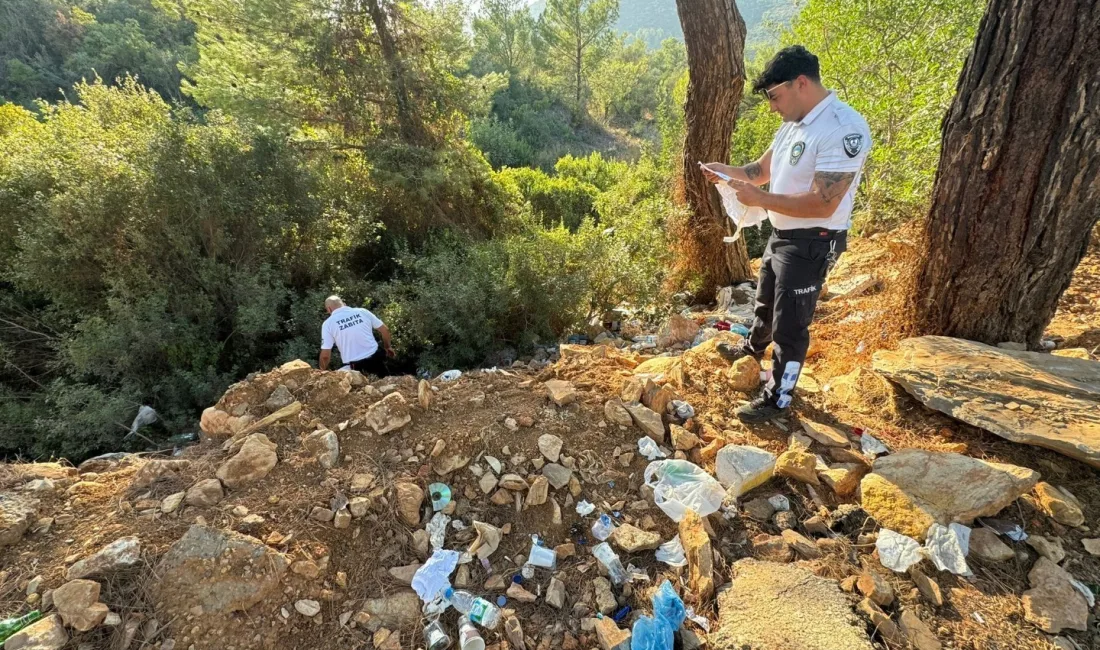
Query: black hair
x=788 y=64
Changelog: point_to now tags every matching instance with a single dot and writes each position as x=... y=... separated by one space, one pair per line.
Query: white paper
x=897 y=552
x=947 y=548
x=437 y=529
x=434 y=577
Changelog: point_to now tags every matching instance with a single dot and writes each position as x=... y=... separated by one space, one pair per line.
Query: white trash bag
x=741 y=215
x=679 y=486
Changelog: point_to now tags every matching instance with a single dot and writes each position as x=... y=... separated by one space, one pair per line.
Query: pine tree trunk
x=408 y=118
x=1018 y=186
x=715 y=37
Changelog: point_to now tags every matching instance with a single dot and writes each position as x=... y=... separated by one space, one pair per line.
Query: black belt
x=809 y=233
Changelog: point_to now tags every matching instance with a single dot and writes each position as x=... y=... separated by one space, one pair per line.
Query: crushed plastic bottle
x=479 y=610
x=602 y=528
x=611 y=562
x=657 y=632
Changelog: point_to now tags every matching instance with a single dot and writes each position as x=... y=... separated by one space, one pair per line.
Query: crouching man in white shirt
x=352 y=330
x=812 y=170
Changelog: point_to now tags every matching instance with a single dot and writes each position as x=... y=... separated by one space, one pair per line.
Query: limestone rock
x=1053 y=604
x=157 y=470
x=633 y=540
x=986 y=545
x=252 y=463
x=744 y=375
x=610 y=636
x=874 y=586
x=742 y=468
x=683 y=439
x=759 y=509
x=218 y=571
x=215 y=422
x=280 y=397
x=844 y=478
x=513 y=482
x=801 y=545
x=536 y=494
x=517 y=592
x=1092 y=546
x=910 y=490
x=614 y=412
x=555 y=593
x=388 y=414
x=488 y=482
x=207 y=492
x=557 y=475
x=77 y=602
x=562 y=393
x=307 y=608
x=17 y=512
x=1049 y=547
x=812 y=614
x=404 y=574
x=605 y=599
x=972 y=382
x=409 y=498
x=699 y=555
x=648 y=421
x=632 y=391
x=823 y=433
x=880 y=621
x=45 y=634
x=550 y=447
x=424 y=394
x=172 y=502
x=399 y=610
x=677 y=329
x=122 y=553
x=799 y=465
x=919 y=635
x=928 y=588
x=772 y=548
x=324 y=446
x=449 y=464
x=1059 y=504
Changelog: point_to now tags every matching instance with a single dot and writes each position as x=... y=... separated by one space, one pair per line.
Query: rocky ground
x=301 y=518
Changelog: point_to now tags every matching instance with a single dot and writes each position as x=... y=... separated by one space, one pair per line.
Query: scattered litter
x=584 y=508
x=541 y=556
x=440 y=494
x=1085 y=591
x=978 y=617
x=644 y=342
x=610 y=560
x=458 y=525
x=871 y=446
x=648 y=448
x=897 y=552
x=621 y=615
x=947 y=547
x=657 y=632
x=437 y=529
x=780 y=502
x=486 y=542
x=435 y=636
x=634 y=574
x=602 y=528
x=434 y=577
x=698 y=620
x=739 y=329
x=1009 y=529
x=450 y=375
x=683 y=410
x=672 y=553
x=679 y=486
x=145 y=416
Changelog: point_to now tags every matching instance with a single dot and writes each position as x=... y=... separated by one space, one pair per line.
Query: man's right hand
x=716 y=166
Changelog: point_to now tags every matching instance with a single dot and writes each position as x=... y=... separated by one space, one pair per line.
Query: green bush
x=501 y=143
x=553 y=199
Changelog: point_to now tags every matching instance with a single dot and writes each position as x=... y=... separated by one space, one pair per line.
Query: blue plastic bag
x=657 y=632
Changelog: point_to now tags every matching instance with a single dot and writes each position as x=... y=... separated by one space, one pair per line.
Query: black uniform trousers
x=792 y=273
x=375 y=364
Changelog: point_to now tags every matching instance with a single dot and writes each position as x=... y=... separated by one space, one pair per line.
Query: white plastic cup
x=543 y=557
x=468 y=636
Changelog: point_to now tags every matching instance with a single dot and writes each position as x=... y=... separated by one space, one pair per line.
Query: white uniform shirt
x=832 y=137
x=351 y=328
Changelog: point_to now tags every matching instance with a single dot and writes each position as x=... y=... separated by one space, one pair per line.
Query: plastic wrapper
x=872 y=446
x=672 y=553
x=658 y=632
x=648 y=447
x=437 y=529
x=585 y=508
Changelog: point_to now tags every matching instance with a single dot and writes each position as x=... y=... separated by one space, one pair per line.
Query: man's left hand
x=748 y=194
x=389 y=352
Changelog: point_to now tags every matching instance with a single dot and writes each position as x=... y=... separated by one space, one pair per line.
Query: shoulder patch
x=853 y=144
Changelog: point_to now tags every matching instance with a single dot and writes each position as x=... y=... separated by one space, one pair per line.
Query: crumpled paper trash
x=486 y=542
x=897 y=552
x=437 y=529
x=947 y=547
x=434 y=576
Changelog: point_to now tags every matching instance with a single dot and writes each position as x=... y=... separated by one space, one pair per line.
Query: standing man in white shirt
x=352 y=330
x=812 y=170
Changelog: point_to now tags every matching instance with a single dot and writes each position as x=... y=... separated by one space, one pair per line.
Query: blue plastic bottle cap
x=518 y=579
x=501 y=601
x=449 y=593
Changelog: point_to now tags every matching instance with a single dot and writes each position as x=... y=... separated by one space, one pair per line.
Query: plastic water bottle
x=611 y=562
x=602 y=528
x=479 y=610
x=468 y=636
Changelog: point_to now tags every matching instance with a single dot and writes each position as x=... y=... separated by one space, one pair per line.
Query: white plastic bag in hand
x=741 y=215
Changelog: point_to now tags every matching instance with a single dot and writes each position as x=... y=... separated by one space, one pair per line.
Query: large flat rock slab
x=772 y=606
x=1026 y=397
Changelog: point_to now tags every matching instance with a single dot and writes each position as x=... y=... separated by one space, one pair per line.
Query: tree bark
x=714 y=34
x=1017 y=190
x=408 y=118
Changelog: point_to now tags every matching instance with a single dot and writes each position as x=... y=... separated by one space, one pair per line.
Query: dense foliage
x=176 y=220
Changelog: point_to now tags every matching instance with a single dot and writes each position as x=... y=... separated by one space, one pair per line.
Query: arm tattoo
x=752 y=171
x=832 y=185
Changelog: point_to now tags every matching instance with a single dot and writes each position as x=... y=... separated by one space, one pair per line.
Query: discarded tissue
x=897 y=552
x=434 y=577
x=947 y=547
x=648 y=448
